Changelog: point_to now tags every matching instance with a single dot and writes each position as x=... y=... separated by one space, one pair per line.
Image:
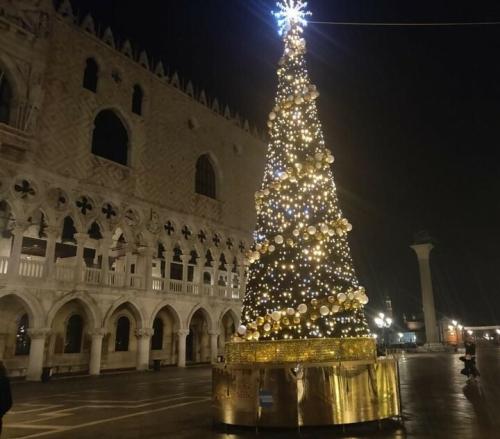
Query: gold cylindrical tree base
x=306 y=394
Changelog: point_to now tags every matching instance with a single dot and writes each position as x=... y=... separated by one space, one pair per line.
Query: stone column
x=147 y=266
x=185 y=264
x=50 y=251
x=81 y=239
x=128 y=267
x=198 y=276
x=37 y=351
x=15 y=252
x=105 y=244
x=242 y=284
x=143 y=347
x=181 y=347
x=423 y=252
x=214 y=349
x=96 y=351
x=215 y=273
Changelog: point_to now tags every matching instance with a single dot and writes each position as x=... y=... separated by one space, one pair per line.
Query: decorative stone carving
x=58 y=199
x=32 y=15
x=153 y=225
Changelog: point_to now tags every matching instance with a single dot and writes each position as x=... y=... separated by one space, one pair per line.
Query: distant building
x=126 y=202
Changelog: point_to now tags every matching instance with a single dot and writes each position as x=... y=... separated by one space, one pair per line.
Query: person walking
x=5 y=394
x=469 y=359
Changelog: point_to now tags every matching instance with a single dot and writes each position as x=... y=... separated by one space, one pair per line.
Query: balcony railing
x=31 y=268
x=67 y=273
x=4 y=265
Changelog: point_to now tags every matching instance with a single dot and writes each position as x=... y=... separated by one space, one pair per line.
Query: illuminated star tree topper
x=290 y=13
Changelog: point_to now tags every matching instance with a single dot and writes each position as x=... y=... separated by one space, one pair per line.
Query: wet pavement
x=175 y=403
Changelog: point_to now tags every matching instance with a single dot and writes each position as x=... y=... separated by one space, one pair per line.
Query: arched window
x=22 y=337
x=110 y=138
x=122 y=334
x=5 y=98
x=90 y=75
x=74 y=332
x=205 y=177
x=157 y=339
x=137 y=98
x=69 y=230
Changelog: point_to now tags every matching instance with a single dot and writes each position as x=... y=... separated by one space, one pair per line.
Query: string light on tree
x=302 y=283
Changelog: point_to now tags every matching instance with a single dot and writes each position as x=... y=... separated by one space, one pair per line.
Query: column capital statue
x=144 y=332
x=38 y=333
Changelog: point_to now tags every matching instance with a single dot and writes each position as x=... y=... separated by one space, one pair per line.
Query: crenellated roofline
x=141 y=57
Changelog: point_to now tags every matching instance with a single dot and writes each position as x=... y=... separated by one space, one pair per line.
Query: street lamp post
x=384 y=323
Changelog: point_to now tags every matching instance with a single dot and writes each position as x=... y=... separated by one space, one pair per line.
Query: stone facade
x=109 y=264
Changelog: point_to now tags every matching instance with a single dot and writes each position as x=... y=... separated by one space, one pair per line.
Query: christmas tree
x=302 y=283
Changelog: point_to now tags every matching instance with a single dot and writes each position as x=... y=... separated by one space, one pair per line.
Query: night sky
x=412 y=115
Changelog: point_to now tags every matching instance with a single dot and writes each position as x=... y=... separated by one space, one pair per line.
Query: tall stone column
x=105 y=244
x=181 y=347
x=81 y=239
x=15 y=253
x=50 y=251
x=143 y=347
x=96 y=352
x=185 y=265
x=37 y=351
x=423 y=252
x=215 y=265
x=147 y=267
x=214 y=348
x=242 y=283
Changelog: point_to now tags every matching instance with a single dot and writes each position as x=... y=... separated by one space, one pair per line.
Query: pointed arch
x=166 y=305
x=132 y=305
x=91 y=309
x=31 y=305
x=206 y=315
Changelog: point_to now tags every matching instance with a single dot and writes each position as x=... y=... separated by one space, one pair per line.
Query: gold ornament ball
x=276 y=315
x=267 y=327
x=324 y=310
x=331 y=299
x=302 y=308
x=290 y=311
x=311 y=230
x=296 y=320
x=341 y=297
x=271 y=248
x=296 y=232
x=314 y=317
x=260 y=320
x=278 y=239
x=335 y=308
x=314 y=302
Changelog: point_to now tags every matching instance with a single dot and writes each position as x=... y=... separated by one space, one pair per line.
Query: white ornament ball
x=299 y=100
x=363 y=300
x=318 y=156
x=348 y=227
x=276 y=315
x=242 y=330
x=272 y=115
x=330 y=159
x=296 y=232
x=350 y=296
x=324 y=228
x=267 y=327
x=266 y=191
x=302 y=308
x=278 y=239
x=256 y=256
x=341 y=297
x=311 y=230
x=331 y=232
x=284 y=176
x=258 y=246
x=324 y=310
x=271 y=248
x=290 y=311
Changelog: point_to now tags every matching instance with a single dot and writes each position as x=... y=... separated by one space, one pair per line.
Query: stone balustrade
x=72 y=275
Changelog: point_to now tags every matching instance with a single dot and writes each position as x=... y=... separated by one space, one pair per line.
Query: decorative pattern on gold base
x=314 y=350
x=270 y=395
